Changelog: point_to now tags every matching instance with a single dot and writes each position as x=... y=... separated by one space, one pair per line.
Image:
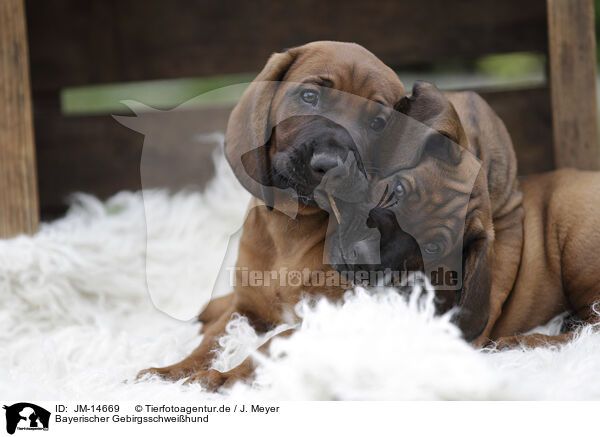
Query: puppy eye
x=432 y=248
x=309 y=96
x=397 y=196
x=377 y=124
x=400 y=191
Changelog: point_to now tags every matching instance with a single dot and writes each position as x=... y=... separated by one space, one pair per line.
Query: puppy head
x=417 y=166
x=429 y=198
x=304 y=113
x=439 y=201
x=418 y=214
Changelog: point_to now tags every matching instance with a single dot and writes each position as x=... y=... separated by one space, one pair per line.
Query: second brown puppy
x=559 y=266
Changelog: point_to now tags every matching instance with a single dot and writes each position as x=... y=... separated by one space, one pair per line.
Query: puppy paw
x=211 y=380
x=529 y=341
x=540 y=340
x=501 y=344
x=170 y=373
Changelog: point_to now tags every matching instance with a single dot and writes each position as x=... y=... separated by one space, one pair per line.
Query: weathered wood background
x=75 y=43
x=18 y=186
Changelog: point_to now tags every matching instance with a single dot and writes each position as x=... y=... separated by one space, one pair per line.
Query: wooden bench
x=74 y=43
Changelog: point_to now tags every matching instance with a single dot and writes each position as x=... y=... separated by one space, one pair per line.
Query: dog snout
x=311 y=149
x=329 y=151
x=321 y=163
x=330 y=144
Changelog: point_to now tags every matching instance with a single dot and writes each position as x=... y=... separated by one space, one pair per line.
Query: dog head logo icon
x=26 y=416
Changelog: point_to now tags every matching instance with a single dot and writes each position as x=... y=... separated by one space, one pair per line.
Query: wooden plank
x=78 y=43
x=572 y=49
x=18 y=186
x=97 y=155
x=528 y=118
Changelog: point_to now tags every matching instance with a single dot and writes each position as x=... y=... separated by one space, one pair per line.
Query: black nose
x=321 y=163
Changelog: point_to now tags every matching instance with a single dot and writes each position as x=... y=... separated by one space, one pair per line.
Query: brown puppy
x=558 y=271
x=489 y=140
x=493 y=220
x=559 y=266
x=266 y=145
x=263 y=148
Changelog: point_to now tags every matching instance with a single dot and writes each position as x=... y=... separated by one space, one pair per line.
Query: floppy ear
x=428 y=105
x=474 y=302
x=248 y=130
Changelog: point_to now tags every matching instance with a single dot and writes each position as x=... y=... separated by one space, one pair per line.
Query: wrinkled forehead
x=434 y=178
x=351 y=69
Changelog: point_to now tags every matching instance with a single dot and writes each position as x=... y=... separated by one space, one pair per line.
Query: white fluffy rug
x=77 y=321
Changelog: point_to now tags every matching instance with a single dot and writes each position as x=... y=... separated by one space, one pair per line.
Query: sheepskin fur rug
x=99 y=295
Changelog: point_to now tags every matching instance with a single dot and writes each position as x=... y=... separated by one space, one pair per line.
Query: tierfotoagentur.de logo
x=26 y=417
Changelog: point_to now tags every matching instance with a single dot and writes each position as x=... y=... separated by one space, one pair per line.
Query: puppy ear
x=474 y=302
x=257 y=165
x=441 y=147
x=429 y=106
x=248 y=130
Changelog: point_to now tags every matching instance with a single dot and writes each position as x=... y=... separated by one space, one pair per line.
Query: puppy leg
x=472 y=317
x=212 y=379
x=578 y=284
x=214 y=310
x=531 y=340
x=200 y=358
x=508 y=244
x=537 y=340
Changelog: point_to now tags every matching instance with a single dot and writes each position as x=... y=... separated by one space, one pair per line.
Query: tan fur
x=272 y=240
x=559 y=266
x=494 y=222
x=489 y=138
